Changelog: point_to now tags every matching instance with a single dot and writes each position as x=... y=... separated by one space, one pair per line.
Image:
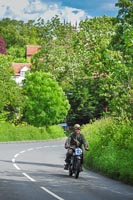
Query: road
x=34 y=171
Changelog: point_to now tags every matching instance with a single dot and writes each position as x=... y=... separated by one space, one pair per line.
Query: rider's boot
x=66 y=166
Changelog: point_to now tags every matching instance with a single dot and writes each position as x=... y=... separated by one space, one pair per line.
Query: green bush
x=55 y=131
x=111 y=148
x=9 y=132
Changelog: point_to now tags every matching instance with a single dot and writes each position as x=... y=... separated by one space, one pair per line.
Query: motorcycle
x=75 y=166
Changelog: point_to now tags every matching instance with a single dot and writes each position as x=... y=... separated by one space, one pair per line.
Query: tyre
x=70 y=171
x=76 y=174
x=77 y=168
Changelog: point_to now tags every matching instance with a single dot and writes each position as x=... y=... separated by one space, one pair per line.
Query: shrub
x=111 y=148
x=9 y=132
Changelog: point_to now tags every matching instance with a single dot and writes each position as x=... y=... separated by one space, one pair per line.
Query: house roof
x=18 y=66
x=32 y=49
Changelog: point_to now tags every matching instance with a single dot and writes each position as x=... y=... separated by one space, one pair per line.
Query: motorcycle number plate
x=78 y=151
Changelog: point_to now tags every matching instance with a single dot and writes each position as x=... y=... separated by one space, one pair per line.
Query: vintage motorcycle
x=75 y=166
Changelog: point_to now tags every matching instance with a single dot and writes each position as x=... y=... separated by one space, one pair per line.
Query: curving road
x=34 y=171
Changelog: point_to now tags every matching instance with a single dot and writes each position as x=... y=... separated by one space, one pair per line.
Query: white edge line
x=31 y=179
x=51 y=193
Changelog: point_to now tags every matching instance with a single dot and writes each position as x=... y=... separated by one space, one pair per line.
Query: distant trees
x=17 y=34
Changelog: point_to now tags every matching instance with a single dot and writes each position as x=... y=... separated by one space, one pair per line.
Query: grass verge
x=9 y=132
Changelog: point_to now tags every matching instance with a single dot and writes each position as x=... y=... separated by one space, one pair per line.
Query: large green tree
x=122 y=42
x=74 y=57
x=45 y=101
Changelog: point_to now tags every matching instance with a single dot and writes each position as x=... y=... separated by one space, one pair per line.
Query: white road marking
x=30 y=149
x=13 y=160
x=16 y=155
x=16 y=166
x=31 y=179
x=22 y=151
x=51 y=193
x=27 y=176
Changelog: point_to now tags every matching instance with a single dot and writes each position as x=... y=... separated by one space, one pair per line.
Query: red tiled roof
x=18 y=66
x=32 y=49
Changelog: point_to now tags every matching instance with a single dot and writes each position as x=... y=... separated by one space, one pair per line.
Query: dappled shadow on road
x=35 y=163
x=19 y=188
x=55 y=178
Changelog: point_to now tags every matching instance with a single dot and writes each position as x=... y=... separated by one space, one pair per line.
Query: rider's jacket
x=75 y=140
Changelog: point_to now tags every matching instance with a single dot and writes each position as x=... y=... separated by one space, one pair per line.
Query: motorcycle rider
x=76 y=139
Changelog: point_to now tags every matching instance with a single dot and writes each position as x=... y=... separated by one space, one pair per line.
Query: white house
x=19 y=71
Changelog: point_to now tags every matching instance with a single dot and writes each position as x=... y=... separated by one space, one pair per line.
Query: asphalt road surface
x=34 y=171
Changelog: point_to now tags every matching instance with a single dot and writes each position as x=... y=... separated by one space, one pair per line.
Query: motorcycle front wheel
x=77 y=168
x=70 y=170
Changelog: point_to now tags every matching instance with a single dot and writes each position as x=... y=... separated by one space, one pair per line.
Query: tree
x=45 y=101
x=74 y=57
x=125 y=13
x=10 y=93
x=17 y=33
x=17 y=54
x=122 y=43
x=2 y=46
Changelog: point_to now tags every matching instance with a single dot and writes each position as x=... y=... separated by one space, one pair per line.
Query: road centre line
x=22 y=151
x=38 y=147
x=30 y=149
x=16 y=155
x=30 y=178
x=13 y=160
x=16 y=167
x=51 y=193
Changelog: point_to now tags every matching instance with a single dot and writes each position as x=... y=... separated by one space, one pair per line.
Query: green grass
x=9 y=132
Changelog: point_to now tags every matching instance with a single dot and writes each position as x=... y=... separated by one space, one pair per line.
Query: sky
x=69 y=10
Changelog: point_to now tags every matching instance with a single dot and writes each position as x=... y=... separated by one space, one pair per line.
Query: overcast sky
x=70 y=10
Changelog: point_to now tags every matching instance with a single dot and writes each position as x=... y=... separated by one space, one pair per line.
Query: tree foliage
x=10 y=93
x=45 y=101
x=87 y=69
x=92 y=63
x=125 y=13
